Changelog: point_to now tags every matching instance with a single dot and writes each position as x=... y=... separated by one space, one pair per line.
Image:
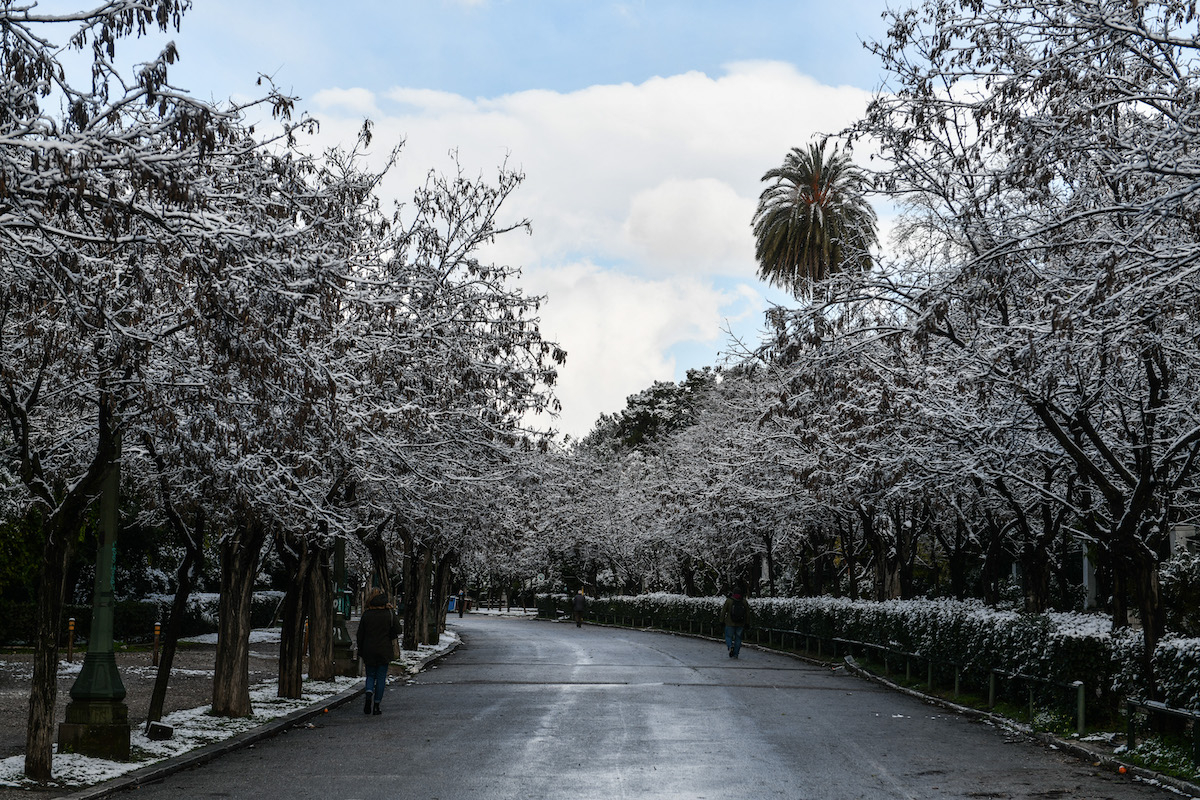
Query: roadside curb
x=202 y=755
x=1074 y=748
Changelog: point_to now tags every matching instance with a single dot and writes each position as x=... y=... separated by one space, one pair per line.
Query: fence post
x=1131 y=726
x=992 y=689
x=929 y=677
x=70 y=639
x=1031 y=706
x=1079 y=708
x=957 y=679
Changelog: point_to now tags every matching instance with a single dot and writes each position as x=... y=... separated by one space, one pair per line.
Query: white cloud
x=698 y=225
x=353 y=101
x=617 y=329
x=651 y=186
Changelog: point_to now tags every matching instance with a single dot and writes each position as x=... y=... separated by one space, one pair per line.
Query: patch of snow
x=257 y=636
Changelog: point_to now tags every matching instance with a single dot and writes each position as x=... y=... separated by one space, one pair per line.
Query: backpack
x=737 y=612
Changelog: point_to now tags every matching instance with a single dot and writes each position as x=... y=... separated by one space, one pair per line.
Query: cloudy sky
x=643 y=129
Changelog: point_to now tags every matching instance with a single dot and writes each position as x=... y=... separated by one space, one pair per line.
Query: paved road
x=539 y=711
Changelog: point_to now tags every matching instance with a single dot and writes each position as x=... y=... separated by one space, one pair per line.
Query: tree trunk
x=424 y=575
x=61 y=529
x=848 y=557
x=185 y=577
x=298 y=557
x=413 y=567
x=190 y=566
x=1145 y=579
x=1035 y=576
x=441 y=596
x=320 y=619
x=687 y=574
x=231 y=673
x=43 y=693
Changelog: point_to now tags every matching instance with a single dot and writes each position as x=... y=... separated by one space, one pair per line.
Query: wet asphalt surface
x=540 y=711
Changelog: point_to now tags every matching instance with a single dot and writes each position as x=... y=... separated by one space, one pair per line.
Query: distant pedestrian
x=462 y=602
x=737 y=617
x=578 y=606
x=377 y=632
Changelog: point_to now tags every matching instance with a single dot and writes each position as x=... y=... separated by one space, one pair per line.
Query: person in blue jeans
x=377 y=632
x=737 y=617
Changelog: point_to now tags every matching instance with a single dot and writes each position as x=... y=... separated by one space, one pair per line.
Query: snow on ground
x=195 y=728
x=257 y=636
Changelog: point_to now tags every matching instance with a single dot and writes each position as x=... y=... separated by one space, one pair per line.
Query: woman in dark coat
x=377 y=632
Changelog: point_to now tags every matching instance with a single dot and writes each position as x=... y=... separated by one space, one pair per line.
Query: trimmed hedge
x=1060 y=646
x=133 y=620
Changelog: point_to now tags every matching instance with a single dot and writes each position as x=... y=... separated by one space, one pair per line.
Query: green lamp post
x=97 y=720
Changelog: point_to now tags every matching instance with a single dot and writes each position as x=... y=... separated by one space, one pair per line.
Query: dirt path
x=190 y=687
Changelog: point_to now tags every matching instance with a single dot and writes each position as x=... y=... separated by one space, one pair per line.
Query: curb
x=202 y=755
x=1074 y=748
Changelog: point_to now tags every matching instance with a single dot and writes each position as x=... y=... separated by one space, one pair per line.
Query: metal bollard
x=70 y=639
x=1079 y=707
x=157 y=631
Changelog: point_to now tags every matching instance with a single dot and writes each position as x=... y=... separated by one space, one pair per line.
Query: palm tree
x=813 y=221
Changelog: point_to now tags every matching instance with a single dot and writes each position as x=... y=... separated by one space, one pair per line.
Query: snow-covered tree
x=1046 y=151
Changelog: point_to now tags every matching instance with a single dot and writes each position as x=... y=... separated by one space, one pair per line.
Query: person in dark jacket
x=377 y=632
x=578 y=606
x=737 y=617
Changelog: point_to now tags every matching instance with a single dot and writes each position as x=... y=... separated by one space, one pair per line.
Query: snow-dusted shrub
x=1177 y=667
x=1179 y=581
x=1058 y=646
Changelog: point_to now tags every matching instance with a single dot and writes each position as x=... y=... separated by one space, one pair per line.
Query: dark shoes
x=376 y=710
x=367 y=703
x=731 y=652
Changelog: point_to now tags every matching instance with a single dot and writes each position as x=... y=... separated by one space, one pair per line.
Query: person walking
x=462 y=602
x=578 y=606
x=737 y=616
x=377 y=631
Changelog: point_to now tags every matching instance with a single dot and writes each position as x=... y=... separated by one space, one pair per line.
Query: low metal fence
x=1152 y=707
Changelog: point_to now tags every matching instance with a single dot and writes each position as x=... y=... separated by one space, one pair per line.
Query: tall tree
x=813 y=220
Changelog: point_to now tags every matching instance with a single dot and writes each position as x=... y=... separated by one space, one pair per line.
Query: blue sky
x=643 y=129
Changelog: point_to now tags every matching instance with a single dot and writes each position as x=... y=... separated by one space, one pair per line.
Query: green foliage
x=654 y=413
x=812 y=221
x=1170 y=755
x=18 y=559
x=1179 y=582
